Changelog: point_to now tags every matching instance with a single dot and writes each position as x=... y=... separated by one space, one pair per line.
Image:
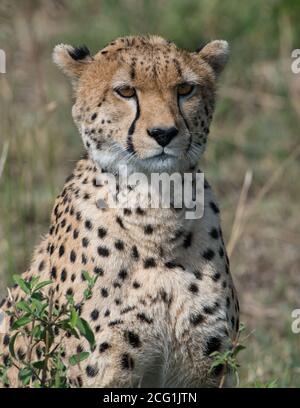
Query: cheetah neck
x=150 y=228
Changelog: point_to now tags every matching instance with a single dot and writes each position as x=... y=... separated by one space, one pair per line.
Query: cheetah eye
x=185 y=89
x=125 y=91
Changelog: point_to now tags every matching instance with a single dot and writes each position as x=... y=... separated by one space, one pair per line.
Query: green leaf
x=77 y=358
x=86 y=331
x=25 y=286
x=25 y=375
x=42 y=284
x=39 y=365
x=22 y=305
x=74 y=317
x=21 y=322
x=87 y=294
x=33 y=281
x=38 y=296
x=269 y=384
x=37 y=332
x=70 y=299
x=39 y=305
x=87 y=276
x=65 y=325
x=11 y=346
x=237 y=349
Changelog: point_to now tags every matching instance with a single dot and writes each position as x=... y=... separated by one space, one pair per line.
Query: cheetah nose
x=163 y=136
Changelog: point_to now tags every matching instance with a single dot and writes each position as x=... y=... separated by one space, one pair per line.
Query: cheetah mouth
x=161 y=156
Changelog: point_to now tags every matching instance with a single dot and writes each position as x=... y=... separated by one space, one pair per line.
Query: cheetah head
x=144 y=102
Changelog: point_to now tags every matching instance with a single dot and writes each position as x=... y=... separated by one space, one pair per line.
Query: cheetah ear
x=72 y=61
x=216 y=54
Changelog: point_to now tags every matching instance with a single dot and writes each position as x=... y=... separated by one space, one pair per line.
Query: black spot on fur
x=103 y=251
x=177 y=234
x=21 y=354
x=120 y=222
x=63 y=275
x=214 y=233
x=228 y=302
x=170 y=265
x=6 y=340
x=72 y=256
x=103 y=347
x=98 y=271
x=119 y=245
x=127 y=362
x=92 y=371
x=213 y=344
x=208 y=254
x=143 y=318
x=85 y=242
x=123 y=274
x=198 y=275
x=214 y=207
x=95 y=314
x=102 y=232
x=216 y=276
x=211 y=309
x=136 y=285
x=148 y=229
x=88 y=225
x=135 y=253
x=53 y=273
x=132 y=338
x=104 y=292
x=149 y=263
x=115 y=322
x=61 y=250
x=227 y=269
x=70 y=292
x=196 y=319
x=188 y=240
x=127 y=309
x=193 y=288
x=140 y=211
x=83 y=259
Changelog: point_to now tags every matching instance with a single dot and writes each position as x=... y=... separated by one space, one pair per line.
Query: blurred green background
x=252 y=159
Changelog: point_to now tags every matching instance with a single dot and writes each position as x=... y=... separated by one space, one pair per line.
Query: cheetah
x=164 y=299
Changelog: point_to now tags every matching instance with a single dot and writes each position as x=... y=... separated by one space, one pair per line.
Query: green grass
x=256 y=128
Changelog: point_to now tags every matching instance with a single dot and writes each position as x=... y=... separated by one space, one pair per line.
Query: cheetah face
x=143 y=102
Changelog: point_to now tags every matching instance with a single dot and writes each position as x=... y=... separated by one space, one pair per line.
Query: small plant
x=227 y=360
x=37 y=318
x=268 y=384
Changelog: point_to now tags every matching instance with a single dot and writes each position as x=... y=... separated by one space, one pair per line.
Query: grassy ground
x=255 y=132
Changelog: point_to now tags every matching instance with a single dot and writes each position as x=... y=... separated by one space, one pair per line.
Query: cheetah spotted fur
x=164 y=299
